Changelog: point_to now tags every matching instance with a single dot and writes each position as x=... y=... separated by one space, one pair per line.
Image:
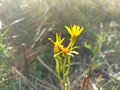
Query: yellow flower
x=74 y=30
x=65 y=50
x=57 y=43
x=68 y=51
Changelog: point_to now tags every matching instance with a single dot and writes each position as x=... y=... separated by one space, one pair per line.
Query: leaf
x=87 y=45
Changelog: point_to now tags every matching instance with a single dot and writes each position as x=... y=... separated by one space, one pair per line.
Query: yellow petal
x=57 y=38
x=78 y=28
x=68 y=29
x=74 y=29
x=62 y=40
x=51 y=40
x=81 y=30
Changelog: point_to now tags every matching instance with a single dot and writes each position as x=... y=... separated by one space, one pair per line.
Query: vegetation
x=26 y=54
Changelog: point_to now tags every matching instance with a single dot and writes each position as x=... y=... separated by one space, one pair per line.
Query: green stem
x=64 y=68
x=68 y=69
x=58 y=69
x=65 y=86
x=72 y=42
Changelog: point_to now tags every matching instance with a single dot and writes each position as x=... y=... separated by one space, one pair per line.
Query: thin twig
x=12 y=23
x=25 y=60
x=21 y=63
x=86 y=78
x=45 y=83
x=78 y=63
x=37 y=50
x=29 y=83
x=46 y=66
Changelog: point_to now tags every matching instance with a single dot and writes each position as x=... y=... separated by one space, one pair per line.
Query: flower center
x=65 y=50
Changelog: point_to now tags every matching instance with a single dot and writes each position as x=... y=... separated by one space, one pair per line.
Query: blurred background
x=26 y=55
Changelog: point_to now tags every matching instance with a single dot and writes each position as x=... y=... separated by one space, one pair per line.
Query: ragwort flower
x=68 y=51
x=57 y=43
x=74 y=30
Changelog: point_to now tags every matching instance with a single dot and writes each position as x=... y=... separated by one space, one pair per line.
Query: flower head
x=65 y=50
x=74 y=30
x=57 y=43
x=68 y=51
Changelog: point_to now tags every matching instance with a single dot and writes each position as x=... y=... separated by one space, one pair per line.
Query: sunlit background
x=26 y=55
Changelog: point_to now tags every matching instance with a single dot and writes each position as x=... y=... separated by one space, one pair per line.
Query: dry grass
x=41 y=19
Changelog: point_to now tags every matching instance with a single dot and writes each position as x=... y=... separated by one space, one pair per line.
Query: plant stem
x=65 y=86
x=64 y=69
x=68 y=69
